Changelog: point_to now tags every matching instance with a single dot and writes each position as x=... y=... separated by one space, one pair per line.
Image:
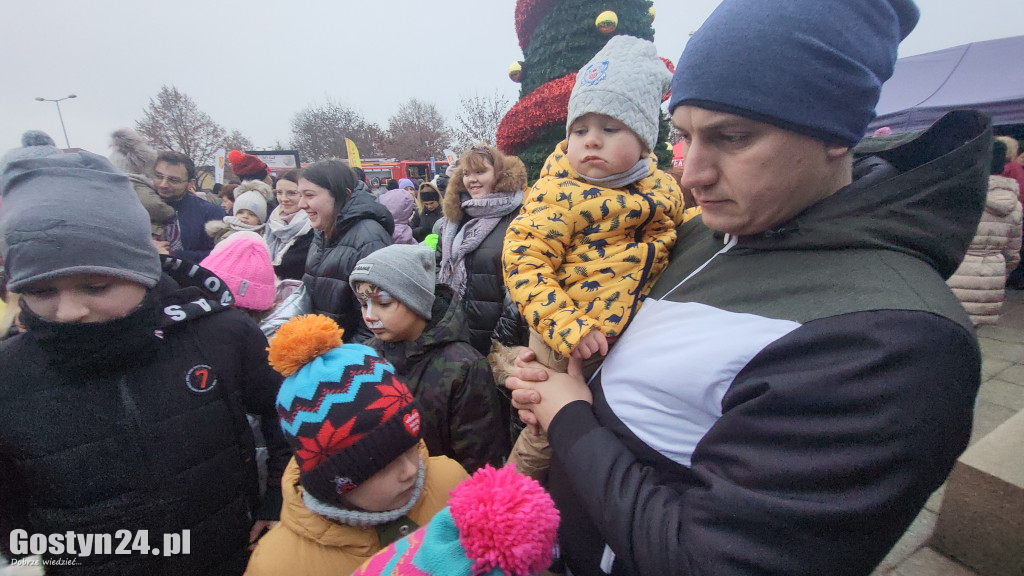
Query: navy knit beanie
x=815 y=67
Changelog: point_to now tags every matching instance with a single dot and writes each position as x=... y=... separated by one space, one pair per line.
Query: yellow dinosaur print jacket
x=580 y=257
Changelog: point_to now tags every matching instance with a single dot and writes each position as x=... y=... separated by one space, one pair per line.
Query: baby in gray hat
x=596 y=229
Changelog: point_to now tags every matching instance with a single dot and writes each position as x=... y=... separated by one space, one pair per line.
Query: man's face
x=171 y=180
x=748 y=176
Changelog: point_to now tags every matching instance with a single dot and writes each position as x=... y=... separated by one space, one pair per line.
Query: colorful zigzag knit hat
x=342 y=409
x=498 y=522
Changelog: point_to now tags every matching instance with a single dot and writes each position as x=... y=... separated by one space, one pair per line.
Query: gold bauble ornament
x=515 y=71
x=607 y=22
x=652 y=13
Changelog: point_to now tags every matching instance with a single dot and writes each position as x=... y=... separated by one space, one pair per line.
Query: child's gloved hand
x=592 y=343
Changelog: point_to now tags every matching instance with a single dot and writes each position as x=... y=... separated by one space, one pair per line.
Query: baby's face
x=601 y=146
x=248 y=217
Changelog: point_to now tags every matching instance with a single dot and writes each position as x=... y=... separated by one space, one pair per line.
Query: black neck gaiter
x=98 y=347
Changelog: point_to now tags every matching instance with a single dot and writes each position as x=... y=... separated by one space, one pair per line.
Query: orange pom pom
x=300 y=340
x=235 y=156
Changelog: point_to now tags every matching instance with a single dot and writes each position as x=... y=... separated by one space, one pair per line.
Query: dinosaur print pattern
x=580 y=257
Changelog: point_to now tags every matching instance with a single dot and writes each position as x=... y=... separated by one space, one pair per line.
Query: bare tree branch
x=174 y=122
x=417 y=132
x=319 y=132
x=478 y=119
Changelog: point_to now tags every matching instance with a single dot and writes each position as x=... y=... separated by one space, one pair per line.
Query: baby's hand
x=593 y=342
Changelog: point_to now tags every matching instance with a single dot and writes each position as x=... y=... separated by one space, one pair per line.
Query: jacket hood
x=131 y=153
x=922 y=195
x=447 y=325
x=400 y=203
x=1003 y=195
x=362 y=206
x=187 y=291
x=512 y=180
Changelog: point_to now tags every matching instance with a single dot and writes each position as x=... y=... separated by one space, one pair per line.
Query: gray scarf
x=639 y=171
x=280 y=235
x=485 y=213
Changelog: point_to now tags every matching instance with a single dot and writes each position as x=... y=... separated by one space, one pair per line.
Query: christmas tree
x=557 y=38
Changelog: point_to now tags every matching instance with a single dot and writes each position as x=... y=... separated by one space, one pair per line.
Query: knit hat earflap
x=247 y=166
x=342 y=409
x=497 y=523
x=57 y=220
x=815 y=67
x=405 y=271
x=625 y=80
x=242 y=261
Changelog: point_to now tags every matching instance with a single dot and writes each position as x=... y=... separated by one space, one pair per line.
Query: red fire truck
x=416 y=170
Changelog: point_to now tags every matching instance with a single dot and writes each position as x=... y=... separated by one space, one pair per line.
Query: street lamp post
x=57 y=101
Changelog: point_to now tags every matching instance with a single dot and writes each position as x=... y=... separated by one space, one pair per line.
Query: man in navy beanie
x=800 y=379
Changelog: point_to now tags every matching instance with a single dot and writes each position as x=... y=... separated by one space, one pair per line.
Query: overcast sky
x=252 y=65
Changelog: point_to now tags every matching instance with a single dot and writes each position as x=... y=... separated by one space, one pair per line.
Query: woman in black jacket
x=347 y=227
x=483 y=196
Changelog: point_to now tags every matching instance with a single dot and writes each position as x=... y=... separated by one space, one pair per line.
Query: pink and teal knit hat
x=498 y=522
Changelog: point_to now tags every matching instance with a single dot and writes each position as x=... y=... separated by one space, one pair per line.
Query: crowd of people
x=756 y=364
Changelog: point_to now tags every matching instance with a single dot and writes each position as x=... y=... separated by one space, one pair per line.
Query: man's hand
x=593 y=342
x=162 y=246
x=539 y=393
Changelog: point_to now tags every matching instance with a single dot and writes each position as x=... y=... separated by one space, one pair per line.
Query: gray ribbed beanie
x=625 y=80
x=66 y=214
x=405 y=271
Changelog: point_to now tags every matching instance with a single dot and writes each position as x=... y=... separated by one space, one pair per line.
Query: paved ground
x=1001 y=396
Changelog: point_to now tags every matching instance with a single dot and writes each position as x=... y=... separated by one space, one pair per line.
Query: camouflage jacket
x=580 y=257
x=462 y=414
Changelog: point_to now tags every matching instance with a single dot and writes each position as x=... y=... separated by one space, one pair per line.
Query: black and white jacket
x=785 y=403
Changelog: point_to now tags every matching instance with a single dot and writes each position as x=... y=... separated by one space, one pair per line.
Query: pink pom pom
x=235 y=156
x=505 y=520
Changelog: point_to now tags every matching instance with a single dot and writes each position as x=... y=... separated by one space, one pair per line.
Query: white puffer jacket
x=980 y=280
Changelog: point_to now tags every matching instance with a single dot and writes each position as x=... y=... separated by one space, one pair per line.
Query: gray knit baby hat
x=625 y=80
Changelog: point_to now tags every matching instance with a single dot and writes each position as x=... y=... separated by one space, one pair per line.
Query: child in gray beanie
x=126 y=358
x=596 y=230
x=421 y=329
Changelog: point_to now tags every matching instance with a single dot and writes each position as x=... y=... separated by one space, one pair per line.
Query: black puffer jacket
x=363 y=227
x=463 y=417
x=144 y=432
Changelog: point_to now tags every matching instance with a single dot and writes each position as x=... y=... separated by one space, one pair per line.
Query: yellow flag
x=353 y=154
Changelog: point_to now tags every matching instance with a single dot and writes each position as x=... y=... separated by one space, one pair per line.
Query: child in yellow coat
x=361 y=477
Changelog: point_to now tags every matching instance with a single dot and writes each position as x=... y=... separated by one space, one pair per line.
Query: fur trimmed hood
x=131 y=153
x=257 y=185
x=513 y=180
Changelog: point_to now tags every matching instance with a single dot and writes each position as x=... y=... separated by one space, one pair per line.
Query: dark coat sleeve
x=260 y=384
x=475 y=418
x=830 y=442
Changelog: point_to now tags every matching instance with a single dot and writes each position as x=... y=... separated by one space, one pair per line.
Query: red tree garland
x=529 y=13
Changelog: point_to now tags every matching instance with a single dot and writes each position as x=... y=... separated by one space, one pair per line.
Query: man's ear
x=192 y=185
